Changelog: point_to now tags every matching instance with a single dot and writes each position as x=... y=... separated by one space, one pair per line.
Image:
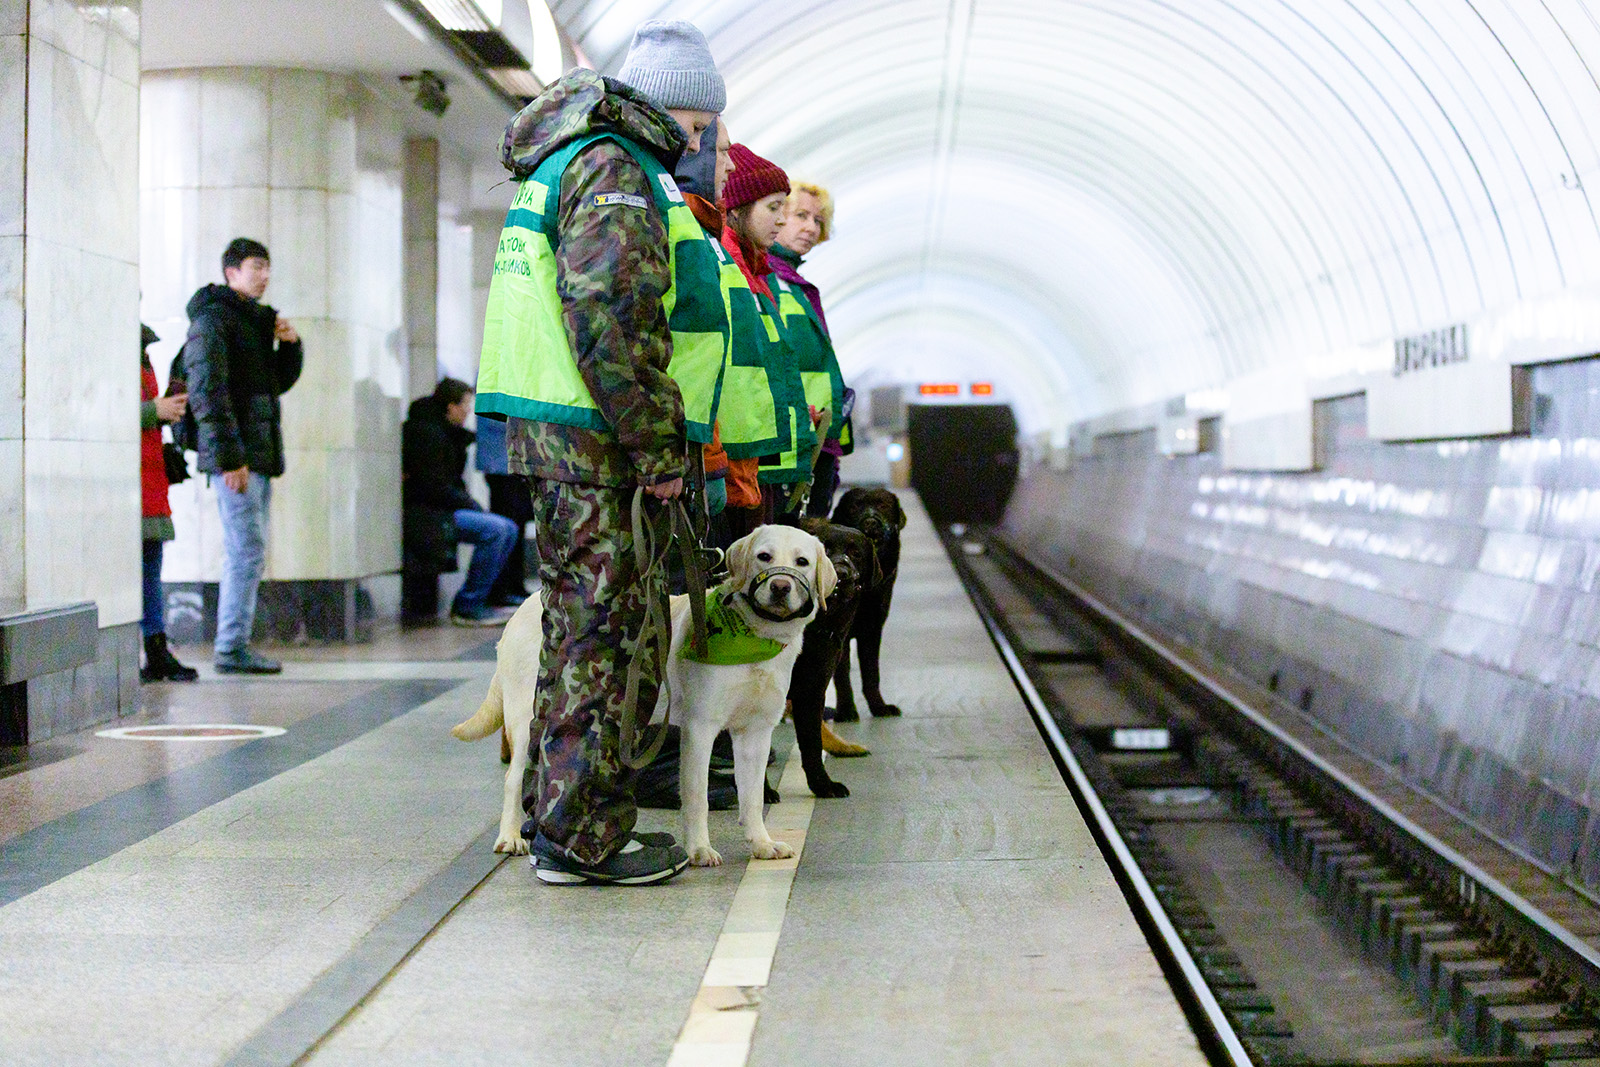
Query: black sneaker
x=636 y=863
x=245 y=661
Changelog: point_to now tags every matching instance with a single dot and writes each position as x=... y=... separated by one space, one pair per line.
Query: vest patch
x=625 y=199
x=670 y=187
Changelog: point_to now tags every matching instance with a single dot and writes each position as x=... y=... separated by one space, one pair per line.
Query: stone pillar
x=420 y=208
x=310 y=164
x=69 y=338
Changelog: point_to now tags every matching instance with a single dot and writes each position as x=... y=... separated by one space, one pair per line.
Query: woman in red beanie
x=756 y=199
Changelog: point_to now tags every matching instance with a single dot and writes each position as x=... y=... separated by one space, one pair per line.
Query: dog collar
x=729 y=639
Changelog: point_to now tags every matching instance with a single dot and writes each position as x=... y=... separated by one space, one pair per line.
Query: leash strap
x=653 y=541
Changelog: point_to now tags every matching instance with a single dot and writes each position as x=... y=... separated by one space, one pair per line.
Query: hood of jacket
x=214 y=296
x=580 y=104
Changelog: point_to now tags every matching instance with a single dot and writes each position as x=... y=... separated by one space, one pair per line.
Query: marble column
x=69 y=336
x=311 y=164
x=420 y=213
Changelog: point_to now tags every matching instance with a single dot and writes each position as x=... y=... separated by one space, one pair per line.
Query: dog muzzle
x=801 y=582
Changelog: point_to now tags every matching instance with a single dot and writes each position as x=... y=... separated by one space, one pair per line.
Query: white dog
x=778 y=579
x=516 y=680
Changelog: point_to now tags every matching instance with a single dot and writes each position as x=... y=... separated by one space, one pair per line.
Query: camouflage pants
x=582 y=799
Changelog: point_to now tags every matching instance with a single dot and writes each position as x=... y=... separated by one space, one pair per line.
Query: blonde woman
x=808 y=224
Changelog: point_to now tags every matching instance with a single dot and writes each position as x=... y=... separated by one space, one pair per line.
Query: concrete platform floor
x=196 y=903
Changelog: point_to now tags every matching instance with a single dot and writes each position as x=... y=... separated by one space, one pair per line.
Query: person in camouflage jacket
x=613 y=266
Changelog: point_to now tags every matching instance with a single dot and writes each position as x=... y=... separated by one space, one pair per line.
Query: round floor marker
x=199 y=731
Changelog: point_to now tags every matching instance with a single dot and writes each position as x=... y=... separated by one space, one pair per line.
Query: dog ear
x=900 y=511
x=827 y=577
x=740 y=555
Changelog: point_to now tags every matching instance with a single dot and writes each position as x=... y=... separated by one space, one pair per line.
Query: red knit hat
x=752 y=178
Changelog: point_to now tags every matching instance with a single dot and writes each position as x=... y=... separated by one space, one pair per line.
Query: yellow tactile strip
x=722 y=1019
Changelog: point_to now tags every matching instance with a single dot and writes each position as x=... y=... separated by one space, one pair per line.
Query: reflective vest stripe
x=749 y=415
x=819 y=367
x=794 y=463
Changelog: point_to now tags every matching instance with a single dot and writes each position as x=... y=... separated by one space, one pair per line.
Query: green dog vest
x=729 y=639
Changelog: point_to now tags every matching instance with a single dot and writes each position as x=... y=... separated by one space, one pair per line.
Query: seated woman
x=433 y=457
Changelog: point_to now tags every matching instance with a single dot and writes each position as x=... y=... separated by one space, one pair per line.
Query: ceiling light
x=547 y=61
x=465 y=15
x=517 y=81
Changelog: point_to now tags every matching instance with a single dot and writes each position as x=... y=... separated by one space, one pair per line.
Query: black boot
x=160 y=664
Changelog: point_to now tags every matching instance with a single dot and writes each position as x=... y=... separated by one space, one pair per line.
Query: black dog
x=856 y=564
x=877 y=514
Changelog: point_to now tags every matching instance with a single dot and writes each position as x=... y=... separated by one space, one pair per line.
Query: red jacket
x=152 y=467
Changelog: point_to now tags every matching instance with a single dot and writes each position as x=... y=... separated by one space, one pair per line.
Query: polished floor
x=328 y=895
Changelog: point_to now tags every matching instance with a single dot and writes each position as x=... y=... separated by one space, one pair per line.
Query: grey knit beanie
x=670 y=62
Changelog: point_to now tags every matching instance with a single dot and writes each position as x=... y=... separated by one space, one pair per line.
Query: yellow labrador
x=778 y=578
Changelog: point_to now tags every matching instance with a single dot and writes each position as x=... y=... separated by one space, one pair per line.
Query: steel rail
x=1117 y=850
x=1553 y=935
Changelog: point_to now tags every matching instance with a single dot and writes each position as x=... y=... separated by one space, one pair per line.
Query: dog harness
x=729 y=639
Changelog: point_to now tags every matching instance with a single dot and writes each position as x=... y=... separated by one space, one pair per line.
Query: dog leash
x=653 y=541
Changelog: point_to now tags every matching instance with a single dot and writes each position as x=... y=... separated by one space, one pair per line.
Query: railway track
x=1309 y=907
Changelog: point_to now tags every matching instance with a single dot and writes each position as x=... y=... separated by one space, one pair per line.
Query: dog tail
x=490 y=716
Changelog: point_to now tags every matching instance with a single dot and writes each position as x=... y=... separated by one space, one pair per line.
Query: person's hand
x=238 y=480
x=666 y=490
x=171 y=408
x=284 y=330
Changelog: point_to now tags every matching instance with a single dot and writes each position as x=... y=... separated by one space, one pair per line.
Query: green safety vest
x=793 y=464
x=528 y=370
x=753 y=421
x=819 y=367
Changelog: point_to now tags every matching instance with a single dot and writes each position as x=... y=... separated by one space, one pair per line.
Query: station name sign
x=1424 y=351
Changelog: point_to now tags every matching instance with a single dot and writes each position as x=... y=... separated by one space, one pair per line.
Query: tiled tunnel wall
x=1435 y=604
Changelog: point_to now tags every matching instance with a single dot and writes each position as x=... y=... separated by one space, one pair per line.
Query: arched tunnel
x=1179 y=437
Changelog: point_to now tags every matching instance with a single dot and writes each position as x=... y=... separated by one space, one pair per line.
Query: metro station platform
x=328 y=895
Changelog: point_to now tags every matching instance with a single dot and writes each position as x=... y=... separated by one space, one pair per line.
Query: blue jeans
x=492 y=538
x=244 y=558
x=155 y=600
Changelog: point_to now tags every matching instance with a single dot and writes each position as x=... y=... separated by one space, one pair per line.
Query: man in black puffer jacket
x=433 y=455
x=240 y=356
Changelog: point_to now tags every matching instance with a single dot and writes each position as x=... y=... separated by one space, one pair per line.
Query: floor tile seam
x=321 y=1008
x=76 y=840
x=720 y=1028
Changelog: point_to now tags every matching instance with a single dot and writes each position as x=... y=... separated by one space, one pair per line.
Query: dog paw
x=884 y=711
x=769 y=795
x=514 y=846
x=705 y=856
x=829 y=788
x=770 y=850
x=847 y=715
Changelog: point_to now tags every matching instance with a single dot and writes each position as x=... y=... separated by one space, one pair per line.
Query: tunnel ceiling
x=1104 y=203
